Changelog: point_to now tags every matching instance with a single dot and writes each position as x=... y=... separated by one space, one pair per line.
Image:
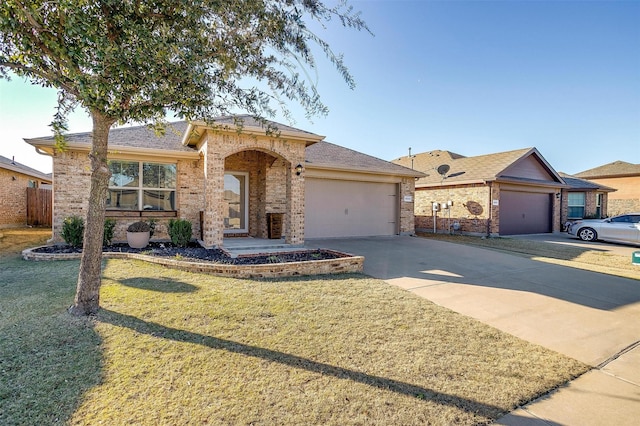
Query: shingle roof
x=321 y=154
x=12 y=165
x=462 y=169
x=251 y=121
x=577 y=183
x=617 y=168
x=326 y=154
x=135 y=137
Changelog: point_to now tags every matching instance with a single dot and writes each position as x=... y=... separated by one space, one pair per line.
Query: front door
x=236 y=202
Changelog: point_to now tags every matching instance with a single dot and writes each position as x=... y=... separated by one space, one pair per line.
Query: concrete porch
x=237 y=246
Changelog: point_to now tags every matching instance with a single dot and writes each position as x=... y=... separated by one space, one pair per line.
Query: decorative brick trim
x=341 y=265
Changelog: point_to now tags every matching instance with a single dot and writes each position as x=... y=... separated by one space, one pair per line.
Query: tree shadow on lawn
x=47 y=366
x=417 y=392
x=163 y=285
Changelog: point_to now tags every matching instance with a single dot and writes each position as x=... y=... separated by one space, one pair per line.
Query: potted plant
x=138 y=234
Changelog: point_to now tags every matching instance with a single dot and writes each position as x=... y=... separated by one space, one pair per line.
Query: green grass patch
x=172 y=347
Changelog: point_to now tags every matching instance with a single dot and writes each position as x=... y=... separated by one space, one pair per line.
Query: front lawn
x=172 y=347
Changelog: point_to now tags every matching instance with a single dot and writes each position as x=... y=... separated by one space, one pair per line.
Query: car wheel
x=587 y=234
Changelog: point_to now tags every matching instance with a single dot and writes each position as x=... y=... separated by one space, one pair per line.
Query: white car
x=623 y=229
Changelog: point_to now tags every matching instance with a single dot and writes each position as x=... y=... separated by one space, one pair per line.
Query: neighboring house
x=624 y=178
x=506 y=193
x=584 y=199
x=15 y=178
x=227 y=179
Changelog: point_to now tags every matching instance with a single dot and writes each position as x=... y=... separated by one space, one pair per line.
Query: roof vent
x=13 y=160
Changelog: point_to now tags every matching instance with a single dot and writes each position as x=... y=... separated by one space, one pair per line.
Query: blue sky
x=472 y=77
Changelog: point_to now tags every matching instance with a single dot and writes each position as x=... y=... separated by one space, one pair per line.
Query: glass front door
x=235 y=197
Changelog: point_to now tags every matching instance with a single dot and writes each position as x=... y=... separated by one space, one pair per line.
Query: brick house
x=584 y=199
x=15 y=178
x=229 y=178
x=624 y=178
x=506 y=193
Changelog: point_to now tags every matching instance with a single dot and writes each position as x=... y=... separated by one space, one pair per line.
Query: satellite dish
x=443 y=169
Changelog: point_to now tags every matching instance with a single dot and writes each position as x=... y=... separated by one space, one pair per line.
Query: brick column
x=294 y=217
x=213 y=224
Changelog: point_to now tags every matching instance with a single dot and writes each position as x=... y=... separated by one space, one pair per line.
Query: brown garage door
x=524 y=213
x=339 y=208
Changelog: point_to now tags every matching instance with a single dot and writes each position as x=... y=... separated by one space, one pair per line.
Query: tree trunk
x=87 y=300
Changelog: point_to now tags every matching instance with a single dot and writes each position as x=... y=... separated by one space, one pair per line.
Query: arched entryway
x=255 y=185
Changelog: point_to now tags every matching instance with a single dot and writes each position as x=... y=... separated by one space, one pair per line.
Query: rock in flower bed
x=197 y=253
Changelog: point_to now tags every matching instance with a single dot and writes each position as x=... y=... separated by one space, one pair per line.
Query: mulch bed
x=197 y=253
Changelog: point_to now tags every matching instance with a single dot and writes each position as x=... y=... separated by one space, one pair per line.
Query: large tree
x=135 y=60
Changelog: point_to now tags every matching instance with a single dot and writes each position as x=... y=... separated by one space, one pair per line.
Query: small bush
x=73 y=231
x=139 y=226
x=180 y=232
x=152 y=226
x=109 y=225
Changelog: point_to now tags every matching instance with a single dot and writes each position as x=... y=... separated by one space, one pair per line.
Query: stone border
x=341 y=265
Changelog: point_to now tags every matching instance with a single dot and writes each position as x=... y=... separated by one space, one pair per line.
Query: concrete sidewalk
x=588 y=316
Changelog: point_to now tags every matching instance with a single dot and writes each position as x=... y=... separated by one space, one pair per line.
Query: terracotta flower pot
x=138 y=239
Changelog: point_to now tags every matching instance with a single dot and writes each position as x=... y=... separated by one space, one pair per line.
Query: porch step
x=251 y=246
x=250 y=251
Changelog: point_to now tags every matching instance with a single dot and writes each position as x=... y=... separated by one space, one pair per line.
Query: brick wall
x=407 y=217
x=13 y=198
x=255 y=153
x=72 y=180
x=71 y=184
x=469 y=209
x=626 y=198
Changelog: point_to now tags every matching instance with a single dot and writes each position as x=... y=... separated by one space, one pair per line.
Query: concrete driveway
x=589 y=316
x=562 y=238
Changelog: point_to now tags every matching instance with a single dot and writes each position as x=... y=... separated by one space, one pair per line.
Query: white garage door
x=340 y=208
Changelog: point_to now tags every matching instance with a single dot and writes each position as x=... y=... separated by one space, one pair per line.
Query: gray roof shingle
x=135 y=137
x=577 y=183
x=320 y=154
x=617 y=168
x=12 y=165
x=326 y=154
x=481 y=168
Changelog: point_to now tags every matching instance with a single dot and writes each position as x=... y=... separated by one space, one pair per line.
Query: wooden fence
x=39 y=207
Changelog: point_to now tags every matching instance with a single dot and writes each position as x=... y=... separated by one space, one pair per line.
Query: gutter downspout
x=490 y=210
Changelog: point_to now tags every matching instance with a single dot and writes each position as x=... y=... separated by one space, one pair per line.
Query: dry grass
x=13 y=240
x=173 y=347
x=575 y=257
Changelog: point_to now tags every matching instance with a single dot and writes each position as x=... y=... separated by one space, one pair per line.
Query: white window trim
x=141 y=188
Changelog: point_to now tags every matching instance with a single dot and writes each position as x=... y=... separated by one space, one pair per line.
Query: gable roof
x=478 y=169
x=144 y=141
x=577 y=183
x=615 y=169
x=247 y=124
x=325 y=155
x=14 y=166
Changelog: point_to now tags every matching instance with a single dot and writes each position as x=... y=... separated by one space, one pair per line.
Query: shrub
x=73 y=230
x=180 y=232
x=109 y=225
x=152 y=226
x=139 y=226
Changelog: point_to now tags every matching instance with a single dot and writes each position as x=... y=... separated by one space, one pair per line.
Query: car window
x=635 y=218
x=621 y=219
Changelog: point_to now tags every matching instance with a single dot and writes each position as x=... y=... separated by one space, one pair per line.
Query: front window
x=575 y=202
x=156 y=190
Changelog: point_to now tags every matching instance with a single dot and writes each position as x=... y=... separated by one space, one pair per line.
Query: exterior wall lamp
x=299 y=169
